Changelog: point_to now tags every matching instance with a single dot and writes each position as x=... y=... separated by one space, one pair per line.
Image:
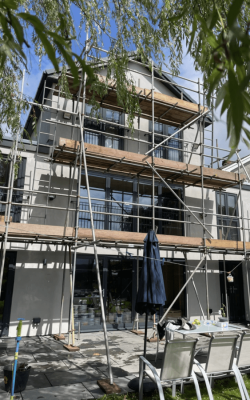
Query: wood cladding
x=124 y=162
x=116 y=237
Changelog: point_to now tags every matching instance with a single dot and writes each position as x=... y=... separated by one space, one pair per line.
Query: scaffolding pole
x=178 y=131
x=10 y=192
x=96 y=254
x=180 y=200
x=180 y=292
x=83 y=153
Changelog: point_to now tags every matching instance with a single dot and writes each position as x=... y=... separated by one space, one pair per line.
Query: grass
x=224 y=389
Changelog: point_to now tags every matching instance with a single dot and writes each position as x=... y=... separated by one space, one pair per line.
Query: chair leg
x=182 y=387
x=196 y=385
x=241 y=383
x=174 y=389
x=209 y=391
x=211 y=382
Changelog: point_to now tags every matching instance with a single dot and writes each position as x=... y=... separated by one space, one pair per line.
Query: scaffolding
x=80 y=156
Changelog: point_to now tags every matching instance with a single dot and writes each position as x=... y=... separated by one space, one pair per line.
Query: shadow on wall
x=37 y=292
x=195 y=204
x=60 y=185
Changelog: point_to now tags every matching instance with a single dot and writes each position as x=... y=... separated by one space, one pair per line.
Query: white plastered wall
x=37 y=288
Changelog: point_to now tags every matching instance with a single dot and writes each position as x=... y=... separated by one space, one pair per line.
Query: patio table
x=201 y=329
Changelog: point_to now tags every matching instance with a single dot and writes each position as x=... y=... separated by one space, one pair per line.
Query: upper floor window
x=228 y=226
x=117 y=202
x=114 y=132
x=17 y=196
x=171 y=150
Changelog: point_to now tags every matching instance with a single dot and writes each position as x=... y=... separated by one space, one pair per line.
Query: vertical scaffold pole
x=95 y=250
x=81 y=123
x=10 y=192
x=153 y=153
x=225 y=284
x=202 y=134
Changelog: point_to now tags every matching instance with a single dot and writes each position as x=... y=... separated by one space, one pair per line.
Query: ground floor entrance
x=232 y=293
x=7 y=291
x=119 y=278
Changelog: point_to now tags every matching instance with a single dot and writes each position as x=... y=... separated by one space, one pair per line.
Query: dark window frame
x=226 y=219
x=107 y=220
x=166 y=151
x=104 y=127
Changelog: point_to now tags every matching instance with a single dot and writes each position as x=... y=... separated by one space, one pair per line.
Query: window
x=112 y=141
x=170 y=149
x=116 y=202
x=17 y=196
x=175 y=213
x=145 y=208
x=97 y=193
x=228 y=226
x=121 y=192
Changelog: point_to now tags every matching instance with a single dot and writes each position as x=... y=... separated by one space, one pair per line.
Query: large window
x=116 y=202
x=228 y=226
x=17 y=196
x=121 y=192
x=170 y=150
x=98 y=195
x=114 y=118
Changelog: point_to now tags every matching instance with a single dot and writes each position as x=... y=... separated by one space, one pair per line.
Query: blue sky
x=186 y=70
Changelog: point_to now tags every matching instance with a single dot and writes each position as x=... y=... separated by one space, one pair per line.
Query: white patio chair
x=177 y=367
x=220 y=363
x=243 y=354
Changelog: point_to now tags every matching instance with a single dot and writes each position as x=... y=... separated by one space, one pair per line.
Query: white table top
x=208 y=329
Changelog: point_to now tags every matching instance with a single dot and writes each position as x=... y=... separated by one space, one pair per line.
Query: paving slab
x=65 y=392
x=46 y=357
x=47 y=366
x=38 y=380
x=68 y=377
x=94 y=389
x=117 y=371
x=102 y=352
x=6 y=396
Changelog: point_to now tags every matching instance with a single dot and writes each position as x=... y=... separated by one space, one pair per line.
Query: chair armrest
x=143 y=361
x=152 y=368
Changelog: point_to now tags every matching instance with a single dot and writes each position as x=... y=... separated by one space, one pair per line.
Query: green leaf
x=194 y=28
x=225 y=105
x=223 y=92
x=18 y=29
x=213 y=18
x=234 y=11
x=40 y=29
x=236 y=103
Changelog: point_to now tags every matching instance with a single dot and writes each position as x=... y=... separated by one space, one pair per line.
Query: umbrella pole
x=146 y=334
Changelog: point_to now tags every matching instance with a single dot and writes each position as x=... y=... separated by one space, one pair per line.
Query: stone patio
x=56 y=373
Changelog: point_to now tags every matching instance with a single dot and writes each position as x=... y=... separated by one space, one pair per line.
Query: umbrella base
x=148 y=386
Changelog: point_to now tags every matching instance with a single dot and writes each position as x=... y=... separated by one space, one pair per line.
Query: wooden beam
x=186 y=173
x=49 y=231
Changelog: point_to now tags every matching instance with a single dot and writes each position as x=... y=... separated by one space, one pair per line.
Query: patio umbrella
x=151 y=293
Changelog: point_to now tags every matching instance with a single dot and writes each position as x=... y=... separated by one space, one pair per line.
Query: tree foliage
x=216 y=33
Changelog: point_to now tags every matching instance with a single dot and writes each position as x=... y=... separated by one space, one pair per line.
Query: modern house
x=198 y=212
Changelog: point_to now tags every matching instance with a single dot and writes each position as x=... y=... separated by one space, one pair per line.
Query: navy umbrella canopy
x=151 y=293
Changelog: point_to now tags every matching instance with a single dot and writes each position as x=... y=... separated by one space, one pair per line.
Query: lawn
x=224 y=389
